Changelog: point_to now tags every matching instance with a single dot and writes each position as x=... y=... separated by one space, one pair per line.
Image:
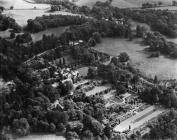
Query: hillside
x=22 y=4
x=122 y=3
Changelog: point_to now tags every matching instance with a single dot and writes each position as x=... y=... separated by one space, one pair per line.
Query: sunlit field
x=24 y=10
x=170 y=8
x=163 y=67
x=22 y=16
x=123 y=3
x=22 y=4
x=117 y=3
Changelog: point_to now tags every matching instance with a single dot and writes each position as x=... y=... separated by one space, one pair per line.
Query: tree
x=91 y=42
x=76 y=126
x=11 y=7
x=99 y=111
x=12 y=35
x=123 y=57
x=24 y=38
x=115 y=61
x=57 y=117
x=21 y=126
x=61 y=127
x=92 y=72
x=108 y=131
x=138 y=31
x=97 y=37
x=69 y=87
x=135 y=79
x=97 y=138
x=155 y=80
x=87 y=134
x=64 y=62
x=43 y=126
x=52 y=127
x=121 y=89
x=34 y=26
x=71 y=135
x=1 y=9
x=129 y=33
x=96 y=127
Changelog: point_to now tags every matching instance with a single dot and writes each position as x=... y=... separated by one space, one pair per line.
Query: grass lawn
x=24 y=10
x=170 y=8
x=163 y=67
x=117 y=3
x=22 y=16
x=22 y=4
x=122 y=3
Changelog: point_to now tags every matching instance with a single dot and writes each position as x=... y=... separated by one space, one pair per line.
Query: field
x=118 y=3
x=24 y=10
x=170 y=8
x=22 y=4
x=161 y=66
x=21 y=16
x=123 y=3
x=139 y=119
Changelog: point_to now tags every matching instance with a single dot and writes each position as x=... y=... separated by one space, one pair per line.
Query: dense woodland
x=158 y=43
x=164 y=127
x=162 y=21
x=45 y=22
x=7 y=22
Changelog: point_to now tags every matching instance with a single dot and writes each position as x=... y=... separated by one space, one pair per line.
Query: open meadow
x=22 y=4
x=163 y=67
x=24 y=10
x=123 y=3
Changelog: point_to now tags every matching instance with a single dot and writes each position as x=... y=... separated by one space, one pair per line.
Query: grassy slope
x=22 y=4
x=121 y=3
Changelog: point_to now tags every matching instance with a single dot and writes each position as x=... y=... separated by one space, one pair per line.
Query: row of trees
x=164 y=128
x=159 y=20
x=158 y=43
x=7 y=22
x=52 y=21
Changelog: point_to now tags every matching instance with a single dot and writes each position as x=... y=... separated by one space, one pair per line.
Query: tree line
x=52 y=21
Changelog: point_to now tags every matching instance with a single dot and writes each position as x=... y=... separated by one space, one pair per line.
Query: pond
x=56 y=31
x=163 y=67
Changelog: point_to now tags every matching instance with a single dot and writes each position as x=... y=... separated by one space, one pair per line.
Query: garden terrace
x=130 y=123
